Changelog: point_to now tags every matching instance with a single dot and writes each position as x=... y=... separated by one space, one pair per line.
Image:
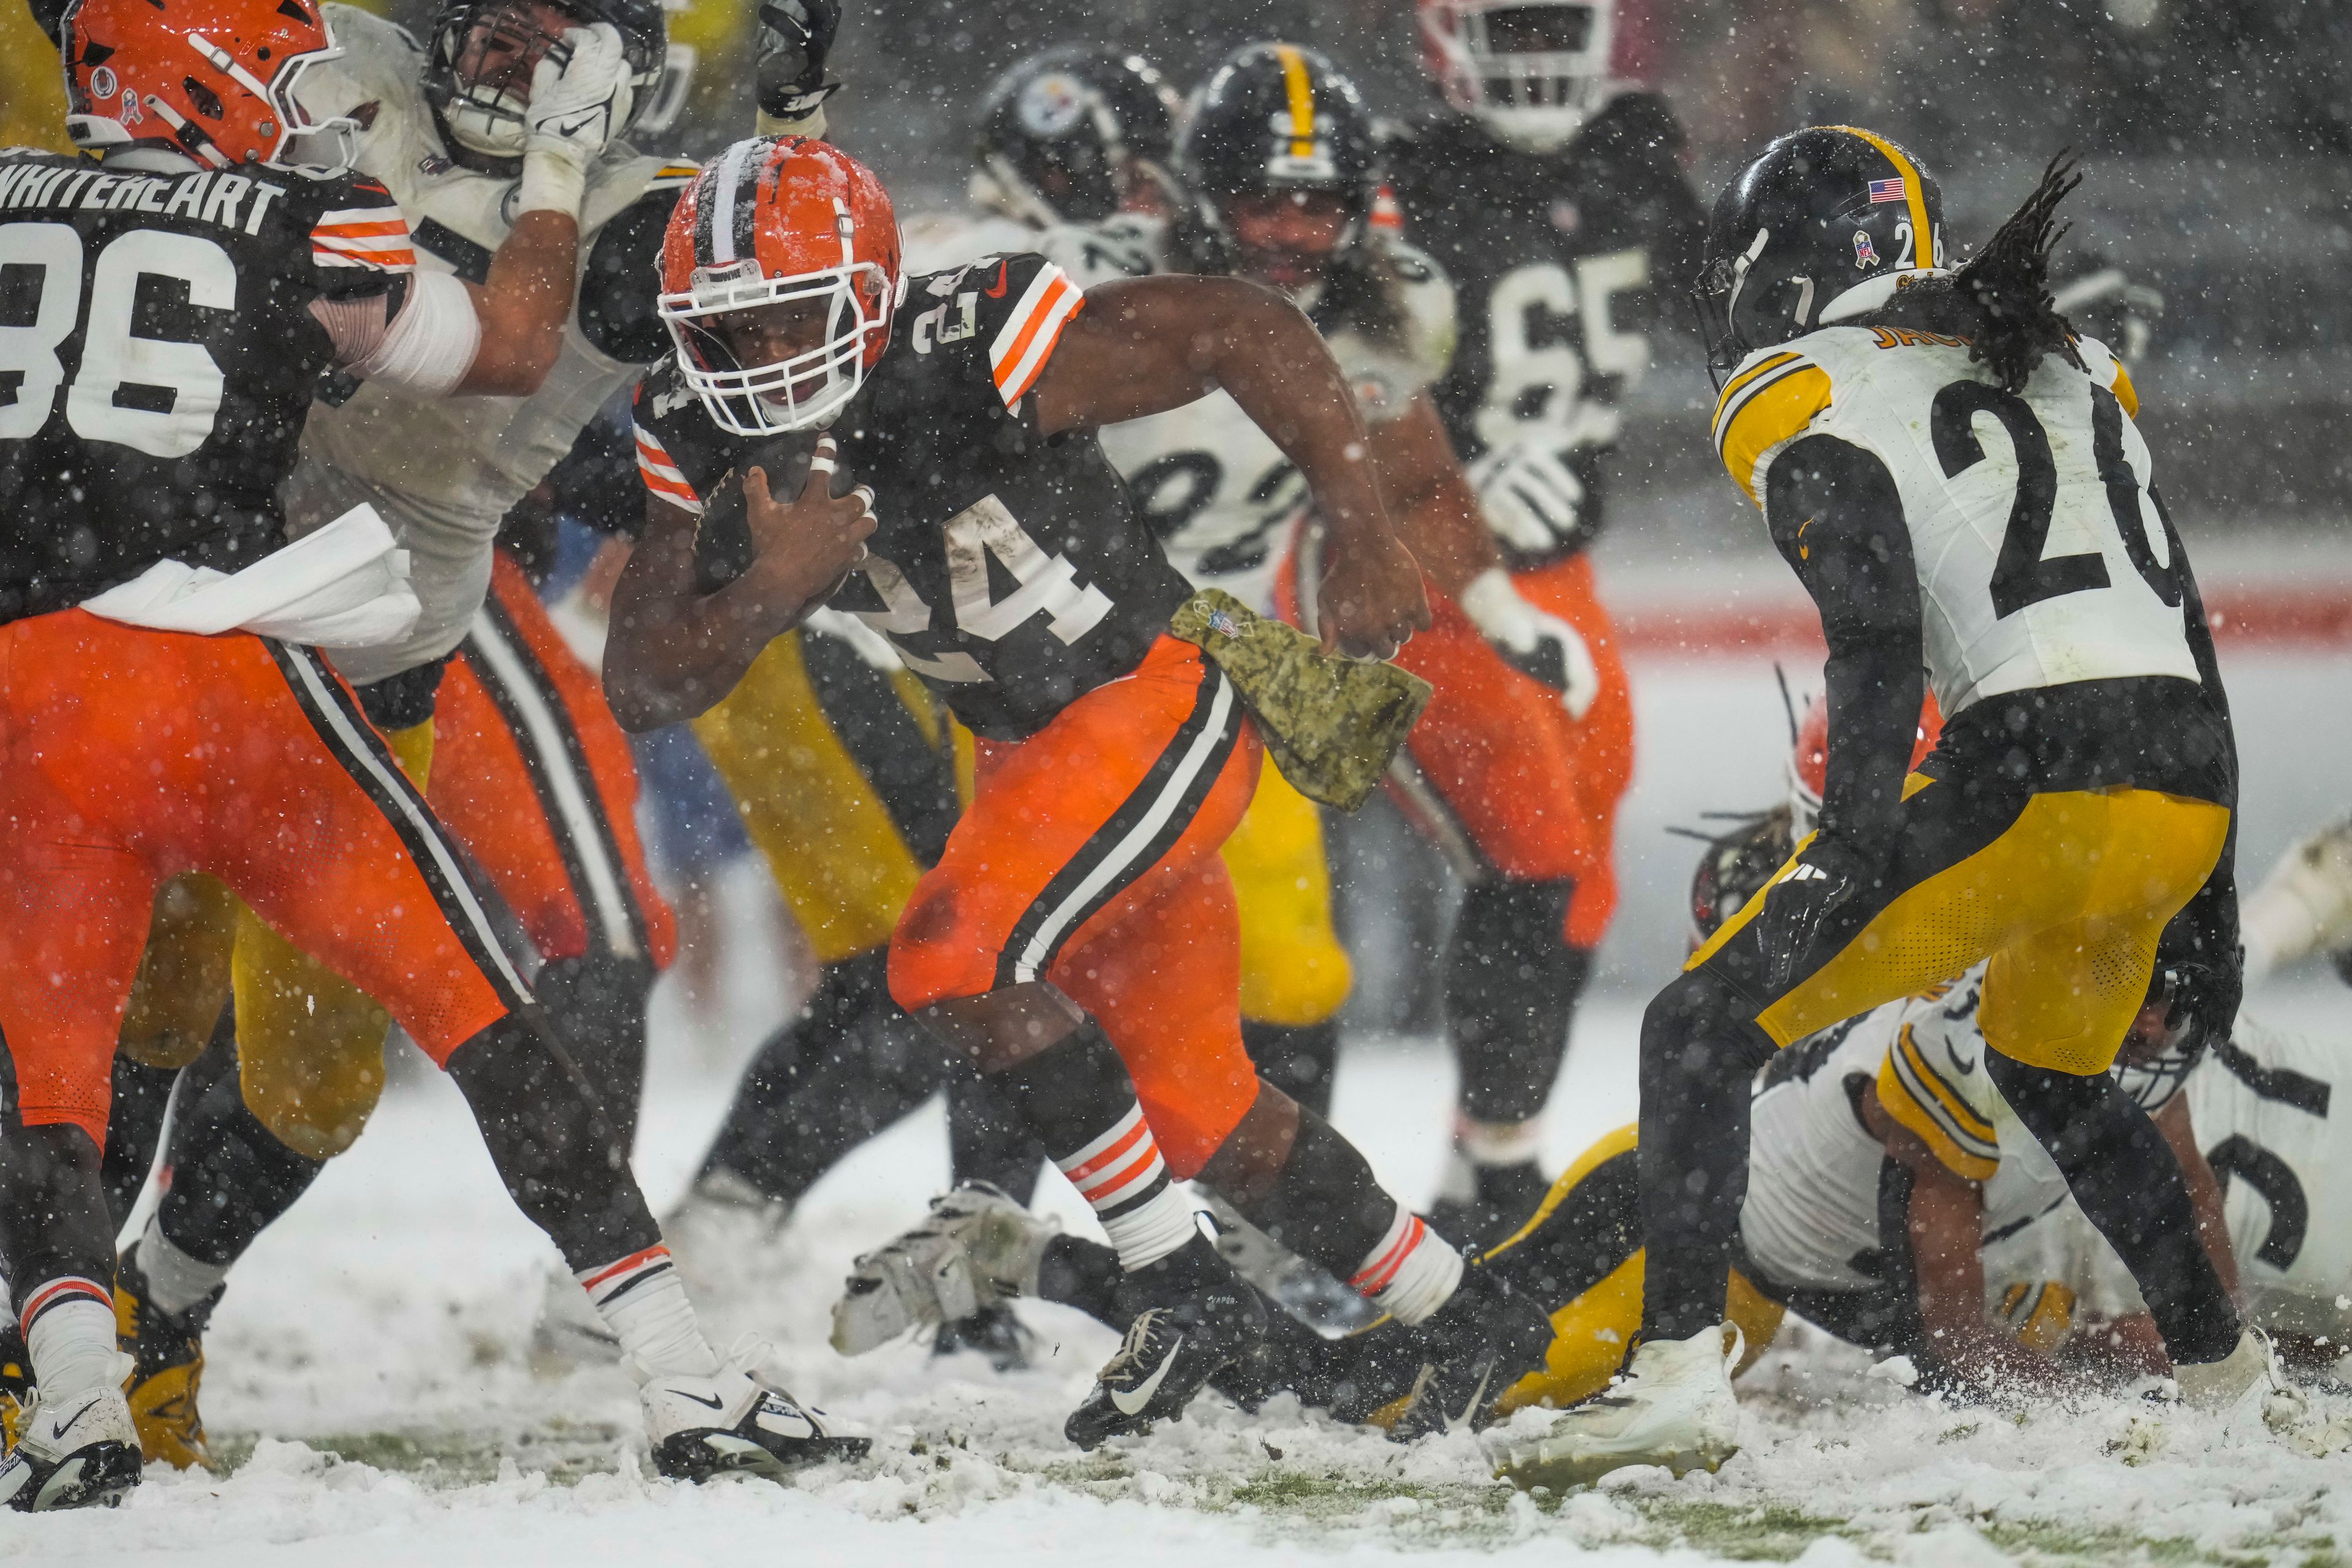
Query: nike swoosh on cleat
x=1132 y=1401
x=714 y=1402
x=57 y=1428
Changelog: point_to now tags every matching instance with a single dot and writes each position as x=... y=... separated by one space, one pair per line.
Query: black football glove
x=1825 y=875
x=794 y=38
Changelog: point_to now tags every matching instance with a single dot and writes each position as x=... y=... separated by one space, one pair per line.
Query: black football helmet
x=1276 y=118
x=1817 y=215
x=480 y=110
x=1064 y=134
x=1734 y=868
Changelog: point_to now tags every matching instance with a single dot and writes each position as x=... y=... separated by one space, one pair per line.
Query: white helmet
x=1532 y=71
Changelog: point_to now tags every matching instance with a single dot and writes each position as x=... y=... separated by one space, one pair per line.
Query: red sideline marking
x=2263 y=616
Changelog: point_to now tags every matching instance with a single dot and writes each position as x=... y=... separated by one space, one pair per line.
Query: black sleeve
x=1639 y=144
x=51 y=16
x=596 y=482
x=1837 y=519
x=619 y=285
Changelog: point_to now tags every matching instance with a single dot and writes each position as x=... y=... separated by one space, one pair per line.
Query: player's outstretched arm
x=1145 y=345
x=674 y=650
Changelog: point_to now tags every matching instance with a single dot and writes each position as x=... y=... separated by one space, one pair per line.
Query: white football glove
x=1532 y=641
x=1533 y=501
x=577 y=105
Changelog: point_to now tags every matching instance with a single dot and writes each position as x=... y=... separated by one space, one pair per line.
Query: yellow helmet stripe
x=1302 y=100
x=1915 y=190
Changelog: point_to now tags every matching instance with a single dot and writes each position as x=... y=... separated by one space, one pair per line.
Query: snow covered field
x=371 y=1368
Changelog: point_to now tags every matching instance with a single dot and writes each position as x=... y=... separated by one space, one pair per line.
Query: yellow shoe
x=170 y=1354
x=16 y=1387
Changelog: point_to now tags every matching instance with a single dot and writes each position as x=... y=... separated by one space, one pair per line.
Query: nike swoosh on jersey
x=1132 y=1401
x=998 y=291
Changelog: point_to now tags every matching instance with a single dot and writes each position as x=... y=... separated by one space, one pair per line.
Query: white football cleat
x=975 y=1248
x=2247 y=1388
x=81 y=1452
x=1673 y=1408
x=736 y=1422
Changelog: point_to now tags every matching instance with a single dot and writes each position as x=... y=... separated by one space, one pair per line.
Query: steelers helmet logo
x=1052 y=104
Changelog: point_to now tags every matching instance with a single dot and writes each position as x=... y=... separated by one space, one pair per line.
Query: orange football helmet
x=777 y=221
x=1809 y=763
x=215 y=78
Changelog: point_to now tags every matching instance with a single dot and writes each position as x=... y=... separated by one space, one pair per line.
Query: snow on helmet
x=214 y=78
x=776 y=221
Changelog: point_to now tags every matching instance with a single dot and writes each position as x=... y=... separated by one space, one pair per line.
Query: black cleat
x=995 y=1331
x=1192 y=1317
x=1447 y=1373
x=1505 y=1198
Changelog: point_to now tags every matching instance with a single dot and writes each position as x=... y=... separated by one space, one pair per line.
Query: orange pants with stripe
x=533 y=774
x=1088 y=859
x=1600 y=745
x=128 y=756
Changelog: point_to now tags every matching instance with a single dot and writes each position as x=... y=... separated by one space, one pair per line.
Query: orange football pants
x=128 y=756
x=533 y=774
x=1088 y=858
x=1600 y=745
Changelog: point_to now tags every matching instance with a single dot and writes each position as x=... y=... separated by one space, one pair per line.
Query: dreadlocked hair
x=2007 y=284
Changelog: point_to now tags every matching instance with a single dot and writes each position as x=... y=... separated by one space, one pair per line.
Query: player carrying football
x=1076 y=935
x=1956 y=479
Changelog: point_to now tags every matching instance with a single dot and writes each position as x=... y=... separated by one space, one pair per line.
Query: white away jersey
x=444 y=471
x=1222 y=498
x=2042 y=558
x=1813 y=1215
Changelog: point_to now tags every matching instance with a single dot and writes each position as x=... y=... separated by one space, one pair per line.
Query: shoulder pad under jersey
x=1771 y=400
x=1934 y=1081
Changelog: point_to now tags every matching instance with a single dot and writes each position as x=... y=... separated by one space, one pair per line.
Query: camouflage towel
x=1331 y=723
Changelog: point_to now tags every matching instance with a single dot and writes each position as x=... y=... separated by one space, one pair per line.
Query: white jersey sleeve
x=2042 y=555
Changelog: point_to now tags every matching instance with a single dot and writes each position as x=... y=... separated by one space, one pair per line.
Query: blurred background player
x=1076 y=134
x=1550 y=188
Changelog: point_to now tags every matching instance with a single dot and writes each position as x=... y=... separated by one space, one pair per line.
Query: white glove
x=576 y=107
x=1533 y=501
x=1532 y=641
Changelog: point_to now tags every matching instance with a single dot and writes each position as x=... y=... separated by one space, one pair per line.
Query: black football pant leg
x=231 y=1176
x=1511 y=988
x=850 y=1065
x=2129 y=1183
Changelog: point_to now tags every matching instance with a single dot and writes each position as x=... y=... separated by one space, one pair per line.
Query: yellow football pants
x=2066 y=891
x=830 y=841
x=1589 y=1332
x=1293 y=971
x=310 y=1044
